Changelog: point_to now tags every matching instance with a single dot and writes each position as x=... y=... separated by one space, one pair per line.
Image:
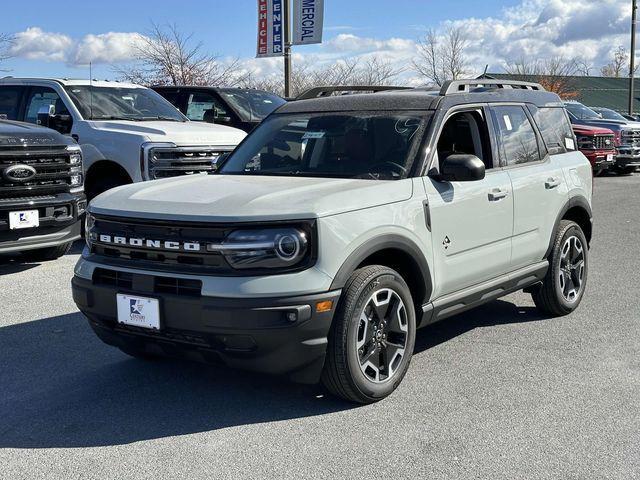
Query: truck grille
x=630 y=138
x=52 y=166
x=603 y=142
x=165 y=162
x=160 y=258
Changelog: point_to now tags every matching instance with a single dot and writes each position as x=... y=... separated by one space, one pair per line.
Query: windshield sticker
x=312 y=135
x=569 y=144
x=507 y=122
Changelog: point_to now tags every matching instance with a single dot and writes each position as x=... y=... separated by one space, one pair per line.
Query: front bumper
x=246 y=333
x=601 y=159
x=60 y=217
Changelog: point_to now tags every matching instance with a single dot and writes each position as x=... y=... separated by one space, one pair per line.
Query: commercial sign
x=308 y=16
x=270 y=28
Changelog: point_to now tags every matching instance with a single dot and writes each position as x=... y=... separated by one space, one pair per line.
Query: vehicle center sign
x=270 y=28
x=308 y=16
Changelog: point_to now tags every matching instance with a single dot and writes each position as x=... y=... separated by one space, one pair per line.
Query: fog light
x=324 y=306
x=292 y=317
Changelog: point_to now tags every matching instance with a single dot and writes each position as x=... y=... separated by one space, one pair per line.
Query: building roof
x=606 y=92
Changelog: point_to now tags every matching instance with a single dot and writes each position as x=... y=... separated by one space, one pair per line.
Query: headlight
x=268 y=248
x=585 y=143
x=75 y=157
x=76 y=179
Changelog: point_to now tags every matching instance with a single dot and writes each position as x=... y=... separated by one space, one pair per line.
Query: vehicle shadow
x=61 y=387
x=16 y=263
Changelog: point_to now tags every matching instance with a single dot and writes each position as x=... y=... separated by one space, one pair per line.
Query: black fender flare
x=576 y=201
x=377 y=244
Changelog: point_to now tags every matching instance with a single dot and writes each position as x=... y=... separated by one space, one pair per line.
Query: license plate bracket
x=24 y=219
x=138 y=311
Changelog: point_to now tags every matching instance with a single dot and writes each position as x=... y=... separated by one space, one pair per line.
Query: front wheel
x=372 y=336
x=625 y=170
x=563 y=286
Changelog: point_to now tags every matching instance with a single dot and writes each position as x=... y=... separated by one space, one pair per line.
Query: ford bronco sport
x=341 y=225
x=41 y=194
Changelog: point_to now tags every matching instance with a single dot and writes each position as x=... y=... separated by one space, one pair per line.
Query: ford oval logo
x=19 y=173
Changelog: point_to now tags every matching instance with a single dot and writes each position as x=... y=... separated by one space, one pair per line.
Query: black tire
x=342 y=374
x=625 y=170
x=47 y=254
x=598 y=172
x=550 y=297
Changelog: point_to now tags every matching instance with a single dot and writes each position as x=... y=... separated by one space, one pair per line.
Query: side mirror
x=462 y=167
x=45 y=113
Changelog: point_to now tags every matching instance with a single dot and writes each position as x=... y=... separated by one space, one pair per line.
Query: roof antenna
x=90 y=92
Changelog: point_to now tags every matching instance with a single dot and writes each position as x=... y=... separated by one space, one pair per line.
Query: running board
x=471 y=297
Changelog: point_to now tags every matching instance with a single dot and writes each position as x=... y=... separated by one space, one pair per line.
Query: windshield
x=116 y=103
x=344 y=145
x=610 y=114
x=252 y=105
x=581 y=112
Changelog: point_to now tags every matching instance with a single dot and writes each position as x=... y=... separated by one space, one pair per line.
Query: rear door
x=539 y=187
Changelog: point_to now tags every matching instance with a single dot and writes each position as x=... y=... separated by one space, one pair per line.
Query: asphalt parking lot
x=499 y=392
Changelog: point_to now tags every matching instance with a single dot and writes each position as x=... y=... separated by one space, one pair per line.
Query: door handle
x=497 y=194
x=552 y=182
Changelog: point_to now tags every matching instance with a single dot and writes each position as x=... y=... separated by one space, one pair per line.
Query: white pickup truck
x=128 y=133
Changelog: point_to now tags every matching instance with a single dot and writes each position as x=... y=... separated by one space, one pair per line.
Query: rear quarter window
x=555 y=128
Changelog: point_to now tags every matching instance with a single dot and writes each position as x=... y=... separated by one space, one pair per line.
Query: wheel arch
x=105 y=168
x=578 y=210
x=398 y=253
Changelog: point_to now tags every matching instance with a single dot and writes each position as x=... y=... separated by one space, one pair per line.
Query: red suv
x=598 y=145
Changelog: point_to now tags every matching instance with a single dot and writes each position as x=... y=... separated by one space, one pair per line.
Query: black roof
x=451 y=94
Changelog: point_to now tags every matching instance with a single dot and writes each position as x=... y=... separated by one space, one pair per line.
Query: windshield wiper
x=159 y=117
x=115 y=117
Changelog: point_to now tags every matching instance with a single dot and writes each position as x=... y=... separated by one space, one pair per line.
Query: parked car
x=627 y=135
x=41 y=191
x=236 y=107
x=339 y=227
x=598 y=145
x=128 y=133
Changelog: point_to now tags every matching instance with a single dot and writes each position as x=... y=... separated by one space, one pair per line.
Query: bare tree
x=166 y=56
x=555 y=74
x=354 y=71
x=583 y=66
x=442 y=57
x=619 y=64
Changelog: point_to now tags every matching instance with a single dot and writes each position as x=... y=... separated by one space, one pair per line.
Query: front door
x=471 y=222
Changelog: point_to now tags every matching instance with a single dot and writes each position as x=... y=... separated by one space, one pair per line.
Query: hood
x=26 y=134
x=615 y=125
x=589 y=130
x=244 y=198
x=180 y=133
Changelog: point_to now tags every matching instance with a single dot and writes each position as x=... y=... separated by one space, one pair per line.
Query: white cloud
x=36 y=44
x=111 y=47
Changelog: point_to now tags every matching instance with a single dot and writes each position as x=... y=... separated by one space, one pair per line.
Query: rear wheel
x=372 y=336
x=46 y=254
x=563 y=286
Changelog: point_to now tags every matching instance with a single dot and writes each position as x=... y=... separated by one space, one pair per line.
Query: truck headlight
x=272 y=248
x=89 y=235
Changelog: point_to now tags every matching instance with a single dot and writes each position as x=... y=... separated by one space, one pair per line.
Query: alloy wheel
x=571 y=272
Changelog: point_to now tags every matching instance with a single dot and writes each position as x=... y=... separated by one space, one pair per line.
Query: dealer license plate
x=24 y=219
x=138 y=311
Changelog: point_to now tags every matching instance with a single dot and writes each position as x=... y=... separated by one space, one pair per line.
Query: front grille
x=147 y=283
x=52 y=166
x=165 y=162
x=603 y=142
x=160 y=258
x=630 y=138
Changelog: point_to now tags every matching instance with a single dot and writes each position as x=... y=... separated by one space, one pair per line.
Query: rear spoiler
x=319 y=92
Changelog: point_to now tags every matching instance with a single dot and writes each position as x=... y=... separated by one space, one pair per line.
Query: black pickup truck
x=41 y=191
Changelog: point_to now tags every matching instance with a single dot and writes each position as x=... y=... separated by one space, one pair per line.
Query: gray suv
x=339 y=227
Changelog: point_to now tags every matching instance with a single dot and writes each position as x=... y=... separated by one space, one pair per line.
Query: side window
x=43 y=97
x=10 y=102
x=203 y=107
x=172 y=97
x=466 y=132
x=518 y=140
x=555 y=128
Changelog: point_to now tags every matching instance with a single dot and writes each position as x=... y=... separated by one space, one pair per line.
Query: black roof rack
x=465 y=86
x=318 y=92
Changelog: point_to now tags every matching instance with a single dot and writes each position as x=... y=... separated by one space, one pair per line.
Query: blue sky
x=60 y=38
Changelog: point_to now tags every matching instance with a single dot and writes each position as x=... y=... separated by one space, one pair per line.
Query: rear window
x=555 y=129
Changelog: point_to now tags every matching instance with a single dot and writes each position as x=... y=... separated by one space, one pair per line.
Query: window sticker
x=569 y=144
x=312 y=135
x=507 y=122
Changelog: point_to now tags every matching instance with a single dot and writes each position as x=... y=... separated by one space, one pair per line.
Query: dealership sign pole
x=632 y=57
x=274 y=29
